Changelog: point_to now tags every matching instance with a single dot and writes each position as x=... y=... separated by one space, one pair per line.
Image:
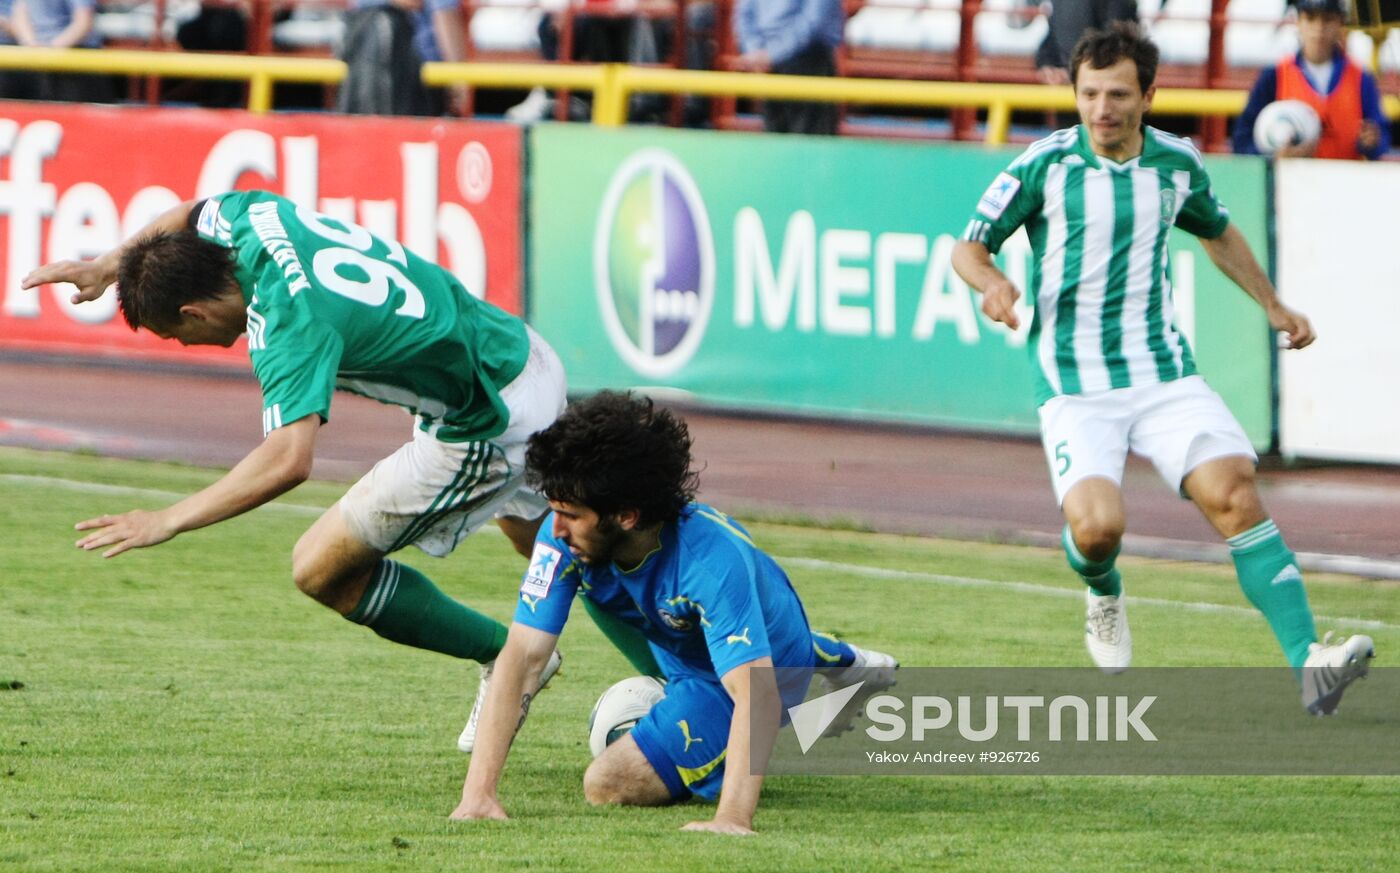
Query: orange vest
x=1340 y=111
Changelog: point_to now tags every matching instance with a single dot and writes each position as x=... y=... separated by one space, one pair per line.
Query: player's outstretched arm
x=1230 y=252
x=279 y=464
x=518 y=667
x=752 y=730
x=94 y=277
x=974 y=264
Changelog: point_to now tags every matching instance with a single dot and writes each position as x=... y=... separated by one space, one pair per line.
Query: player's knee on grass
x=623 y=776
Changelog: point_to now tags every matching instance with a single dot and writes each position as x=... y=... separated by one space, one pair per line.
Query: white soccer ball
x=619 y=710
x=1286 y=123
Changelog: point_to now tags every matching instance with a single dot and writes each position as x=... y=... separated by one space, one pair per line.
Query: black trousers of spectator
x=791 y=116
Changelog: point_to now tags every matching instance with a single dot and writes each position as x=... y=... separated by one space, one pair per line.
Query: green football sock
x=628 y=640
x=1101 y=576
x=402 y=605
x=1271 y=580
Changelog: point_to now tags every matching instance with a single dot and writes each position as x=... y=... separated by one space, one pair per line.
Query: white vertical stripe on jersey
x=1181 y=181
x=1147 y=228
x=1093 y=281
x=1052 y=271
x=257 y=330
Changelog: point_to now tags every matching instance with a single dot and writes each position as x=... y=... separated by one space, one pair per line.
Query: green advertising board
x=811 y=275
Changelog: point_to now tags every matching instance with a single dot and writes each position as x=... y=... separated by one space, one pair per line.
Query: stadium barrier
x=261 y=73
x=812 y=275
x=614 y=84
x=76 y=180
x=1335 y=230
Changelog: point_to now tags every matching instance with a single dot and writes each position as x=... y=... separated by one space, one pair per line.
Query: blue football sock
x=831 y=653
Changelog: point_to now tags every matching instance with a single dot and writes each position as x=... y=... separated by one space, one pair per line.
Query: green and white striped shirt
x=1101 y=276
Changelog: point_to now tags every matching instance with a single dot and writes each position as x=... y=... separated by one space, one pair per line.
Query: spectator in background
x=1346 y=97
x=61 y=24
x=1069 y=19
x=13 y=83
x=610 y=31
x=796 y=38
x=219 y=27
x=386 y=41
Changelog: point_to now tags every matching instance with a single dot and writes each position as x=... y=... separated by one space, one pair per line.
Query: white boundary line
x=1048 y=590
x=130 y=491
x=789 y=561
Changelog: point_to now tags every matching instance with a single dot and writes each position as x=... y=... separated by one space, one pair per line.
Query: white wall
x=1338 y=226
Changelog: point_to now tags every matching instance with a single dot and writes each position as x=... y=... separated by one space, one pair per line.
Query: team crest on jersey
x=544 y=565
x=1168 y=205
x=673 y=621
x=999 y=195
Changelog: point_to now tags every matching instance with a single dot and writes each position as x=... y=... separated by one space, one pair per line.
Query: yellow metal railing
x=259 y=72
x=613 y=84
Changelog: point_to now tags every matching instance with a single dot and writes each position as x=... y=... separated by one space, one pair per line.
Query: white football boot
x=1331 y=667
x=875 y=669
x=467 y=740
x=1106 y=633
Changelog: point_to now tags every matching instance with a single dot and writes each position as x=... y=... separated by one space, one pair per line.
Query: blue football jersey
x=708 y=599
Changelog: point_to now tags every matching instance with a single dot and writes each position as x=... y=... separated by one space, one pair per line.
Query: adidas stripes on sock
x=1269 y=574
x=402 y=605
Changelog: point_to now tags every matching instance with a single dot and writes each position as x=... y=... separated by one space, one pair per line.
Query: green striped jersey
x=332 y=306
x=1100 y=280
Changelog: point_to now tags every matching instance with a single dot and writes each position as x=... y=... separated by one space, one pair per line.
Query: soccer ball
x=1286 y=123
x=619 y=710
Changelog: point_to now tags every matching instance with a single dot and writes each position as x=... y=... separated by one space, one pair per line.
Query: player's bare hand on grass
x=477 y=810
x=999 y=304
x=717 y=826
x=1293 y=324
x=130 y=530
x=92 y=278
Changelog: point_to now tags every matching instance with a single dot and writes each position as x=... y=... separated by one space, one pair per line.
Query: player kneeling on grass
x=719 y=613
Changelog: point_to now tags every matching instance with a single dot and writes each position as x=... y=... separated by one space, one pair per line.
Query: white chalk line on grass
x=1048 y=590
x=130 y=491
x=789 y=561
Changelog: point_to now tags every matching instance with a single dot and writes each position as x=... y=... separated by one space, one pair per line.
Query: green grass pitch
x=184 y=708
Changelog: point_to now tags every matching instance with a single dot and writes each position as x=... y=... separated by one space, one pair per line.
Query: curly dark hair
x=612 y=452
x=162 y=272
x=1104 y=48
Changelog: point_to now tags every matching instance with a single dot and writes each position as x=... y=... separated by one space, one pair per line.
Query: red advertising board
x=76 y=180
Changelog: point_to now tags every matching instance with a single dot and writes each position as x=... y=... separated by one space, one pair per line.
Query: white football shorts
x=433 y=494
x=1176 y=425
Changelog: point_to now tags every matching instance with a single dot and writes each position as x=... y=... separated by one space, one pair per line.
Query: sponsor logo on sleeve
x=999 y=196
x=544 y=566
x=208 y=217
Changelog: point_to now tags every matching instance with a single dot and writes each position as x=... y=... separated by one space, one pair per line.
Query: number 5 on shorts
x=1062 y=456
